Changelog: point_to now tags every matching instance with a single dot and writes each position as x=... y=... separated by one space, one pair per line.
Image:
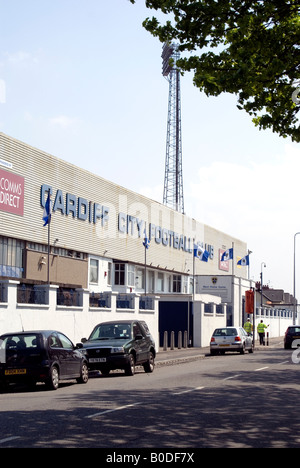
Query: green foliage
x=247 y=48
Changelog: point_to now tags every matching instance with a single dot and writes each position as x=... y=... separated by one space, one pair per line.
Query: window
x=185 y=284
x=94 y=271
x=225 y=332
x=131 y=274
x=39 y=247
x=294 y=330
x=20 y=342
x=54 y=342
x=137 y=330
x=111 y=330
x=11 y=257
x=160 y=282
x=56 y=250
x=191 y=282
x=169 y=283
x=151 y=281
x=176 y=283
x=109 y=274
x=120 y=274
x=66 y=343
x=140 y=278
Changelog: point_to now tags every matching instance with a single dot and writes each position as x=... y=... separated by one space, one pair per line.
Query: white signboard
x=216 y=285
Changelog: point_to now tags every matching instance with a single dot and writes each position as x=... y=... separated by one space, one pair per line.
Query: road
x=221 y=401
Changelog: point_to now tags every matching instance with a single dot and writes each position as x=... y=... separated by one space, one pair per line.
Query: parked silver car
x=231 y=339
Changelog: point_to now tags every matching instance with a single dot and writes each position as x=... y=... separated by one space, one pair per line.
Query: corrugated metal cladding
x=114 y=236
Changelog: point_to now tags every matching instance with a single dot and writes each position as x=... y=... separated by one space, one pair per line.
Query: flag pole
x=146 y=246
x=189 y=325
x=193 y=271
x=48 y=269
x=47 y=220
x=145 y=259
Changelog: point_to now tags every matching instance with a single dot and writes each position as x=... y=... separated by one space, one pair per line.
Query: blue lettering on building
x=88 y=211
x=74 y=206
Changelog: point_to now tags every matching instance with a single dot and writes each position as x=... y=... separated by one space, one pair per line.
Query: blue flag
x=146 y=243
x=227 y=255
x=200 y=253
x=244 y=261
x=47 y=211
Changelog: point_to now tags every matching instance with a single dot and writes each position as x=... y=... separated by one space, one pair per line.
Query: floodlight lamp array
x=169 y=50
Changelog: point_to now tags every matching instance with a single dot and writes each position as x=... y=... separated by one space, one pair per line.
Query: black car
x=120 y=345
x=292 y=334
x=40 y=356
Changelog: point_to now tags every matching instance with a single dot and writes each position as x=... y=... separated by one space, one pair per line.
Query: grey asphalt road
x=215 y=402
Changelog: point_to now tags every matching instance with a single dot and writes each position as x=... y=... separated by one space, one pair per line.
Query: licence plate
x=97 y=360
x=15 y=372
x=224 y=345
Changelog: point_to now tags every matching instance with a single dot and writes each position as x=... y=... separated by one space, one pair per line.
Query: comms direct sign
x=11 y=193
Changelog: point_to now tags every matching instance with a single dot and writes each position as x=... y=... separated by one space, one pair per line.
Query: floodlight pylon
x=173 y=183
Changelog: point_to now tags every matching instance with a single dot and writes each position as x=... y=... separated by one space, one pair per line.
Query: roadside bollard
x=165 y=341
x=267 y=338
x=179 y=339
x=185 y=339
x=172 y=340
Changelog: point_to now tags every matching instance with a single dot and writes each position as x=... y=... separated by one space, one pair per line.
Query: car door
x=56 y=353
x=247 y=338
x=141 y=347
x=70 y=356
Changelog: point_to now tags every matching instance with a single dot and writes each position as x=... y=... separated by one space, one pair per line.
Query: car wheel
x=150 y=364
x=84 y=377
x=130 y=368
x=243 y=349
x=53 y=381
x=251 y=350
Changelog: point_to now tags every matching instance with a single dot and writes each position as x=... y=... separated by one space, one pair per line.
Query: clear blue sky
x=82 y=80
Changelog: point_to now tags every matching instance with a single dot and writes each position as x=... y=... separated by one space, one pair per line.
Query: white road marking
x=112 y=410
x=262 y=368
x=188 y=391
x=232 y=377
x=8 y=439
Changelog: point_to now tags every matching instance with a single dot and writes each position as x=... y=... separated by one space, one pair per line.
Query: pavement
x=177 y=356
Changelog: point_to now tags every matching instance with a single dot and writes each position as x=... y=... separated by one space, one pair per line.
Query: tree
x=247 y=48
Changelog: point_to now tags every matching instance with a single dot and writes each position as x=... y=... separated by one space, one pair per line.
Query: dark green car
x=120 y=345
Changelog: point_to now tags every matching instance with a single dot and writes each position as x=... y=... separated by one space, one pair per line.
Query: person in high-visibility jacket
x=248 y=326
x=261 y=331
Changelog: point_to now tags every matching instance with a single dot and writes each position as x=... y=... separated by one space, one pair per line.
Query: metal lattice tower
x=173 y=185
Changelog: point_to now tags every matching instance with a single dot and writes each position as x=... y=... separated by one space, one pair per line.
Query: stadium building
x=90 y=263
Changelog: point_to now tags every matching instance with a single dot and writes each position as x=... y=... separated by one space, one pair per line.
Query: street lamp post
x=263 y=265
x=261 y=285
x=294 y=289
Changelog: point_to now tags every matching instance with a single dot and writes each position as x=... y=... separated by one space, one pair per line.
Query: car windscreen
x=111 y=331
x=16 y=345
x=225 y=332
x=294 y=330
